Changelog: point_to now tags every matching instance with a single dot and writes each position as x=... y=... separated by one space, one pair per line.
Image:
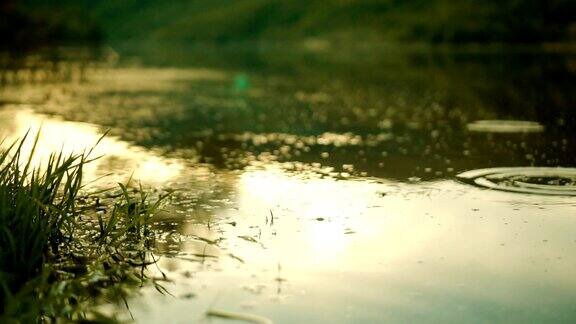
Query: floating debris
x=188 y=296
x=250 y=318
x=248 y=238
x=505 y=126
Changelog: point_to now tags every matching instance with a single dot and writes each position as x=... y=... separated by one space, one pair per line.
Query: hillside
x=436 y=21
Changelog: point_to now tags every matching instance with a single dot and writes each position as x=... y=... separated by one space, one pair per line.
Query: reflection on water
x=371 y=251
x=120 y=159
x=505 y=126
x=322 y=189
x=391 y=116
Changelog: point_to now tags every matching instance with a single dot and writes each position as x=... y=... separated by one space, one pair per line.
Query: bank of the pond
x=64 y=249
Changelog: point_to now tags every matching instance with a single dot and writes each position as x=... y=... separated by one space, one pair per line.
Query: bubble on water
x=531 y=180
x=505 y=126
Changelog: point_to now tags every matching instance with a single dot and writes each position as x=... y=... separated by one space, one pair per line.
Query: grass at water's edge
x=63 y=250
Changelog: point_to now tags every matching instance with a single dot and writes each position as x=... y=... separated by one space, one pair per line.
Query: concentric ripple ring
x=530 y=180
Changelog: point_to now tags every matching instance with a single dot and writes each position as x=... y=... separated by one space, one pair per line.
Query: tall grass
x=51 y=258
x=37 y=211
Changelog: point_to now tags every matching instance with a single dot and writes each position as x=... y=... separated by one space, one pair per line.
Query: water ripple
x=532 y=180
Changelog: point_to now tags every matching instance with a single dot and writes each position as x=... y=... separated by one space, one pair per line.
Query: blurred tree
x=437 y=21
x=30 y=24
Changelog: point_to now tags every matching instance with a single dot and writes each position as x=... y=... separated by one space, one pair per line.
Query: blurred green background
x=38 y=22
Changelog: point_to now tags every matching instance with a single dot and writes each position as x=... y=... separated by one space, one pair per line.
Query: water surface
x=320 y=186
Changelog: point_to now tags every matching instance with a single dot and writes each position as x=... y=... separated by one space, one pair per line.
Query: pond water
x=324 y=186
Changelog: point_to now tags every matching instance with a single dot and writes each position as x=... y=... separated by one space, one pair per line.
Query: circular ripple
x=505 y=126
x=533 y=180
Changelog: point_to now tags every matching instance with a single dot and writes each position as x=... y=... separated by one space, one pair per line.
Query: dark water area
x=389 y=113
x=354 y=152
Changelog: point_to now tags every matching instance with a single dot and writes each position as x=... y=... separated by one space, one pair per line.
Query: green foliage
x=519 y=21
x=31 y=24
x=57 y=258
x=515 y=21
x=413 y=20
x=130 y=217
x=37 y=211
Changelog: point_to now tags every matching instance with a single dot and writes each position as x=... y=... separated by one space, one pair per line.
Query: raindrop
x=532 y=180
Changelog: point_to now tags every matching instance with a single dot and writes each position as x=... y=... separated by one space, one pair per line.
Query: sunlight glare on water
x=419 y=249
x=74 y=137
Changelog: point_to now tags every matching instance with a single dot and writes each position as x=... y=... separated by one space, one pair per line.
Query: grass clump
x=62 y=249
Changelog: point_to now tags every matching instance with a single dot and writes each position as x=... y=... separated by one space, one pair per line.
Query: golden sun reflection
x=322 y=224
x=327 y=242
x=314 y=208
x=315 y=240
x=116 y=157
